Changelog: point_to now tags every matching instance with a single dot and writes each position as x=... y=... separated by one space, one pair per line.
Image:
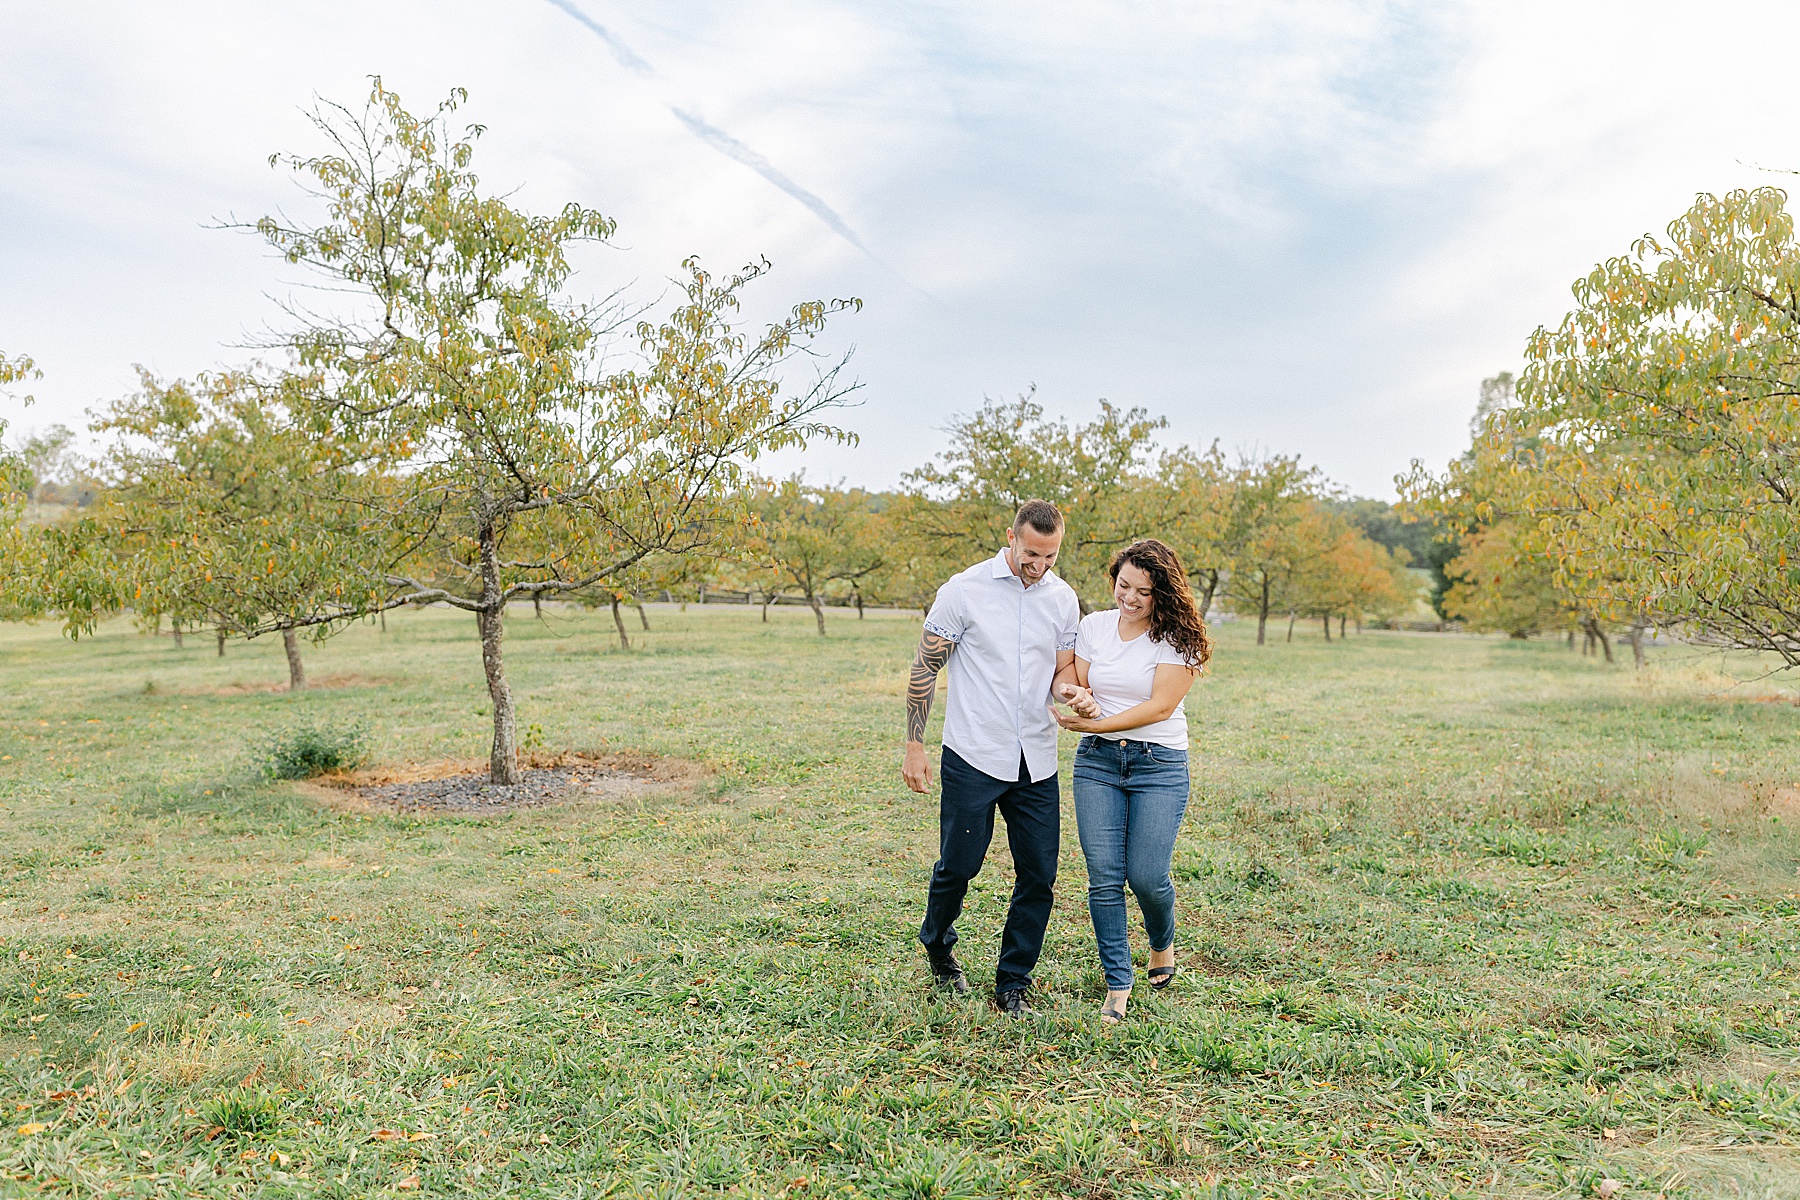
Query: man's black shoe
x=1012 y=1002
x=949 y=973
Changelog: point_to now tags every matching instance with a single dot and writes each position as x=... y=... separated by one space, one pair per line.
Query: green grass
x=1459 y=916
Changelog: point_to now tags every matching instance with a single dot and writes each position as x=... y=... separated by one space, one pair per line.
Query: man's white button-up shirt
x=1007 y=636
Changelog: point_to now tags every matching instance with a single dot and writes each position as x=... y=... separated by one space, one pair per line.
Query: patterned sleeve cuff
x=1068 y=644
x=947 y=635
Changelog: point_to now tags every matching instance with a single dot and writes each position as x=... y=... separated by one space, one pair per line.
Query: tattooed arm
x=934 y=652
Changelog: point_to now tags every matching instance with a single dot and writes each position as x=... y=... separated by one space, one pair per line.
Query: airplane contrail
x=729 y=146
x=717 y=138
x=619 y=49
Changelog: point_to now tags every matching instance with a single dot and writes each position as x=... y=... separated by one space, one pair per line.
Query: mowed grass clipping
x=1458 y=916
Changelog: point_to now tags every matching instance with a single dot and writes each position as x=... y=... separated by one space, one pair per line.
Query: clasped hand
x=1087 y=709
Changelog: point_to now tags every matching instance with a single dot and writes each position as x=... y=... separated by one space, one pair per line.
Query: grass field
x=1459 y=916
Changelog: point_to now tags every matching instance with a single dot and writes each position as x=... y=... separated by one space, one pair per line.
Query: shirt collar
x=1003 y=570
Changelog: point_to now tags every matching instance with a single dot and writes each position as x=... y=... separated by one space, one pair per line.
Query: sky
x=1296 y=226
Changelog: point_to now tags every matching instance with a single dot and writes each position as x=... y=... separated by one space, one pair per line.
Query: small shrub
x=244 y=1113
x=303 y=751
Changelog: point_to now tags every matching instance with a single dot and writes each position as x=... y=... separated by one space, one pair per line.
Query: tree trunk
x=1292 y=617
x=221 y=634
x=503 y=761
x=767 y=597
x=619 y=624
x=1262 y=613
x=1597 y=634
x=1327 y=628
x=1341 y=620
x=1636 y=637
x=703 y=593
x=1571 y=643
x=818 y=611
x=175 y=628
x=290 y=641
x=384 y=620
x=1206 y=593
x=537 y=605
x=858 y=594
x=644 y=617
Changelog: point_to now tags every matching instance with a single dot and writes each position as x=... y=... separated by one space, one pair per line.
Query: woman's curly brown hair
x=1175 y=620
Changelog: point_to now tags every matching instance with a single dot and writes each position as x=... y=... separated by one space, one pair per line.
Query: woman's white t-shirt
x=1121 y=674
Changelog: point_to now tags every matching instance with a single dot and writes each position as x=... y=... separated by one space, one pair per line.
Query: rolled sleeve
x=1069 y=627
x=947 y=618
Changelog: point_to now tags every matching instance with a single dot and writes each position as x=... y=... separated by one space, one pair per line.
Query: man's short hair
x=1041 y=515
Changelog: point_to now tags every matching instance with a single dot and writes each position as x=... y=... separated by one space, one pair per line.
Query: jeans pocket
x=1086 y=744
x=1167 y=756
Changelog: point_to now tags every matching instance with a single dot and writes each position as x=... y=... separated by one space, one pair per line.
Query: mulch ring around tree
x=462 y=787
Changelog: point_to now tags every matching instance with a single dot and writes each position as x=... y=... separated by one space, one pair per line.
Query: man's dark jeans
x=1033 y=813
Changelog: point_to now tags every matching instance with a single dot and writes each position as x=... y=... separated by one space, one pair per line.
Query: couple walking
x=1015 y=641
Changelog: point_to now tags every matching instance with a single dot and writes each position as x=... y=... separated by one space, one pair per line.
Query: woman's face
x=1132 y=591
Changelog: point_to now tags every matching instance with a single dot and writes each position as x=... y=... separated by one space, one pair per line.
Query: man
x=1006 y=626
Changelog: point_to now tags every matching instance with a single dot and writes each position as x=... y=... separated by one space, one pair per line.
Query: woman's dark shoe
x=1160 y=977
x=1012 y=1002
x=1111 y=1016
x=949 y=973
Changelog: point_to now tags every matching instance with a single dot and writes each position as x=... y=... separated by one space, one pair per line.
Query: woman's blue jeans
x=1129 y=801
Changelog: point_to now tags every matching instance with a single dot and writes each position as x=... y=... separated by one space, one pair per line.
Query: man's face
x=1031 y=553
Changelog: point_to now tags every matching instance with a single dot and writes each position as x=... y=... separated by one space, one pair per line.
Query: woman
x=1131 y=769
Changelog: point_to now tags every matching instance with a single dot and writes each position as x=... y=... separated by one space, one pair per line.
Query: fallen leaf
x=249 y=1154
x=420 y=1136
x=409 y=991
x=408 y=1184
x=543 y=1139
x=388 y=1135
x=75 y=995
x=32 y=1127
x=1609 y=1188
x=279 y=1159
x=135 y=1026
x=58 y=1095
x=123 y=1087
x=1609 y=1134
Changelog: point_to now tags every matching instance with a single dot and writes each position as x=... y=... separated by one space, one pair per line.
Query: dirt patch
x=1785 y=801
x=461 y=785
x=322 y=684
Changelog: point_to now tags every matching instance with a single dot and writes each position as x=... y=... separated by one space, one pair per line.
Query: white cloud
x=1310 y=225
